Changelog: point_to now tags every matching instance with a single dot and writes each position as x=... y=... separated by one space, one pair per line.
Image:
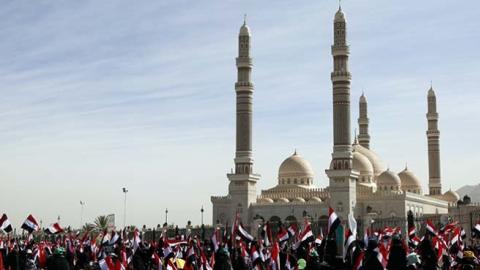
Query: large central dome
x=295 y=170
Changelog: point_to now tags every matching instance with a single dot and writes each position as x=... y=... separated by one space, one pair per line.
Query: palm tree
x=101 y=222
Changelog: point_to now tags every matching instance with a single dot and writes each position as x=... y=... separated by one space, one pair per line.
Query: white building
x=359 y=182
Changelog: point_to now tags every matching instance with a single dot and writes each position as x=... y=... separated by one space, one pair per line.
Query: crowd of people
x=291 y=247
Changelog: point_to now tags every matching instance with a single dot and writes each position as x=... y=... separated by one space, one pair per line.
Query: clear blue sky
x=97 y=95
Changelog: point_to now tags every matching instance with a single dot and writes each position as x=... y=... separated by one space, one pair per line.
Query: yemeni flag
x=382 y=255
x=275 y=257
x=55 y=228
x=292 y=229
x=5 y=224
x=456 y=237
x=414 y=241
x=216 y=239
x=244 y=234
x=283 y=235
x=333 y=221
x=412 y=231
x=476 y=229
x=430 y=227
x=267 y=234
x=307 y=235
x=357 y=265
x=30 y=224
x=349 y=239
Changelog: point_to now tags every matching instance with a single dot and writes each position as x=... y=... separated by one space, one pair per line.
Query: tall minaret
x=342 y=178
x=433 y=137
x=363 y=136
x=242 y=187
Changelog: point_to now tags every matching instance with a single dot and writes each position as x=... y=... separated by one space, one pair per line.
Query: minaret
x=433 y=137
x=242 y=187
x=363 y=136
x=342 y=178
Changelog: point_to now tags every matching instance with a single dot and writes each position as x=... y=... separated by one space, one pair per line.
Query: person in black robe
x=397 y=259
x=427 y=254
x=13 y=259
x=222 y=260
x=370 y=261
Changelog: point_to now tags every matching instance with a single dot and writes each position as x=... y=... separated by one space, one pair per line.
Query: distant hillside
x=472 y=191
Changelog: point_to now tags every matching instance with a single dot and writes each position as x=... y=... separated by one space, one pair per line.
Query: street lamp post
x=166 y=216
x=125 y=207
x=82 y=204
x=201 y=211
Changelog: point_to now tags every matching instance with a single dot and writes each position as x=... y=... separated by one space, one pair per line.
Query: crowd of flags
x=115 y=250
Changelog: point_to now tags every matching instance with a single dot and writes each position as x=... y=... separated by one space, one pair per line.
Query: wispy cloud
x=97 y=95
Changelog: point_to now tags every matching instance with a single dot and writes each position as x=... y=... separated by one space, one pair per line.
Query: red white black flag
x=430 y=227
x=30 y=224
x=5 y=224
x=244 y=234
x=54 y=229
x=333 y=220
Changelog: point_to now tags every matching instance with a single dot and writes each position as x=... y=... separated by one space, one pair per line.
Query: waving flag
x=267 y=234
x=430 y=227
x=357 y=265
x=136 y=240
x=216 y=239
x=283 y=235
x=275 y=258
x=333 y=221
x=456 y=237
x=411 y=232
x=307 y=235
x=55 y=228
x=5 y=224
x=349 y=238
x=30 y=224
x=244 y=234
x=292 y=230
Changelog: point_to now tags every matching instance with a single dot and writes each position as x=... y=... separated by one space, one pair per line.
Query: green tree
x=101 y=222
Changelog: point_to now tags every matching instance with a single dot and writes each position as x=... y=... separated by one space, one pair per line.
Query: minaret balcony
x=244 y=62
x=340 y=75
x=340 y=50
x=244 y=85
x=363 y=121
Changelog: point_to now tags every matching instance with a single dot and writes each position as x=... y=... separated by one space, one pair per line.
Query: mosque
x=359 y=183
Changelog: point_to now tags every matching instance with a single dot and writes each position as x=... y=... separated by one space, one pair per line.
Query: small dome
x=299 y=199
x=409 y=181
x=339 y=16
x=451 y=196
x=388 y=178
x=315 y=199
x=244 y=30
x=377 y=164
x=362 y=164
x=283 y=200
x=295 y=166
x=431 y=93
x=266 y=200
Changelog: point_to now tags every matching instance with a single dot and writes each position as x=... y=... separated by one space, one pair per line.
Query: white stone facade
x=359 y=182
